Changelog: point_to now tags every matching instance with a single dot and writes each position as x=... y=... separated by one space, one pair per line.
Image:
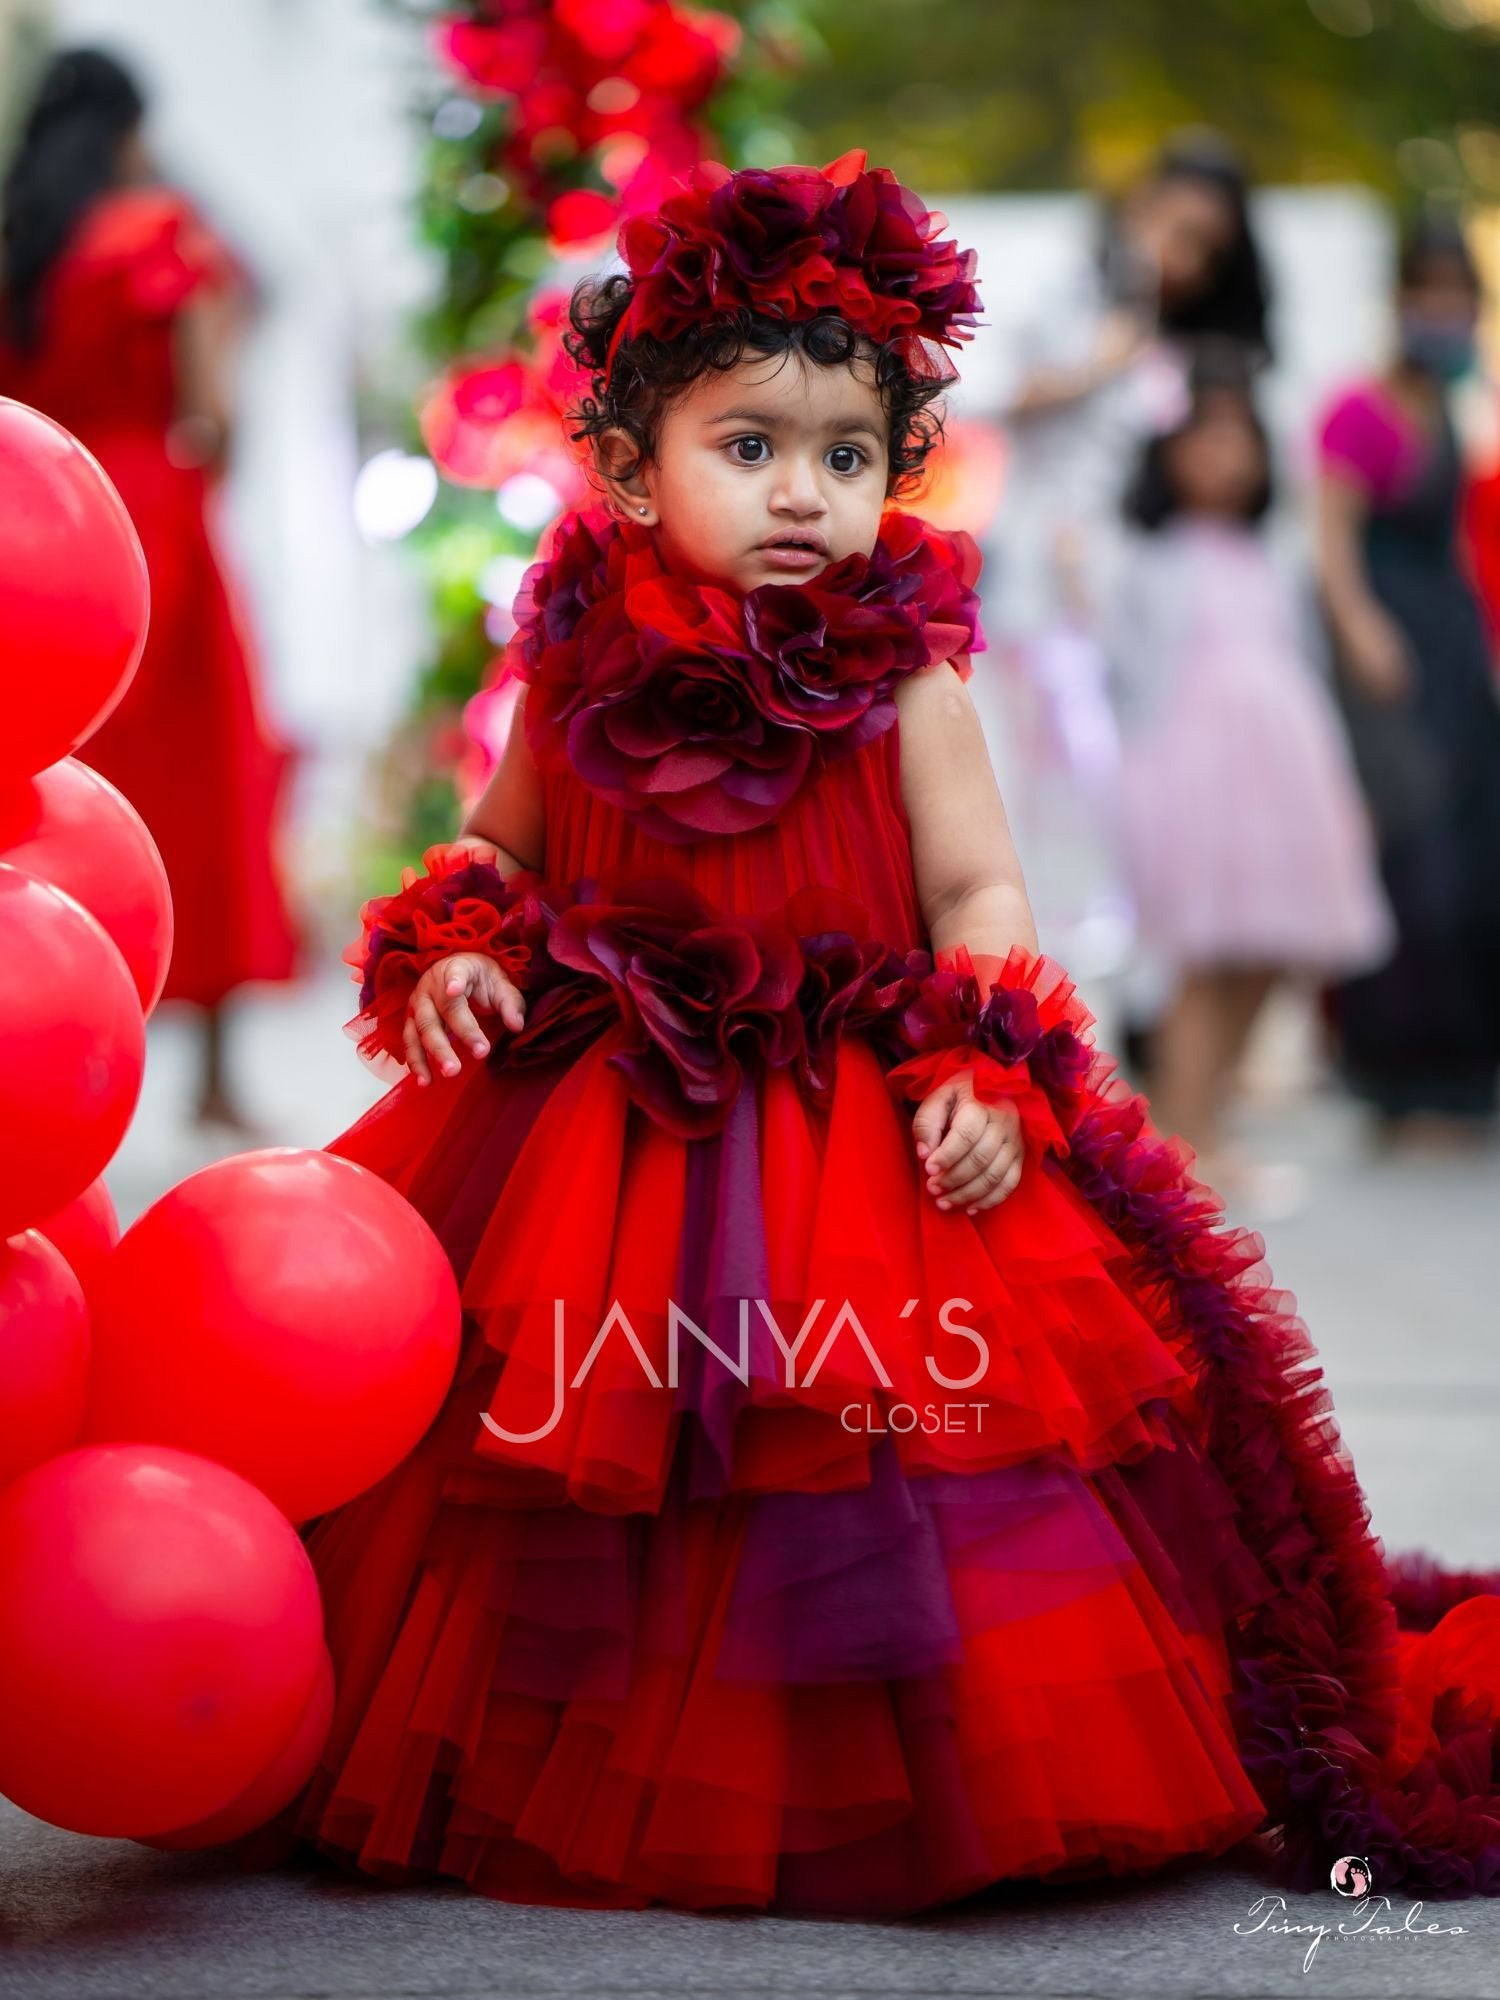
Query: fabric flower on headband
x=795 y=241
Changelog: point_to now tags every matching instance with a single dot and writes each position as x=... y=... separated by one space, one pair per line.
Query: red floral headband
x=795 y=241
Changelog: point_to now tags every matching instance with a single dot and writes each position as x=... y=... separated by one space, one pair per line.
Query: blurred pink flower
x=484 y=421
x=487 y=718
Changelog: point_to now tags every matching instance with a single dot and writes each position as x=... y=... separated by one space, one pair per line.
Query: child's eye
x=735 y=443
x=850 y=450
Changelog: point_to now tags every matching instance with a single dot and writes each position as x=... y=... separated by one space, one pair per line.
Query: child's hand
x=973 y=1150
x=440 y=1001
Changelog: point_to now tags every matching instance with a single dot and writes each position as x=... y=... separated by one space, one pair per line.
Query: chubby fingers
x=456 y=1011
x=426 y=1038
x=440 y=1014
x=979 y=1162
x=990 y=1182
x=501 y=996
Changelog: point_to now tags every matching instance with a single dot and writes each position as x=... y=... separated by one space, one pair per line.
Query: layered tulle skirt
x=1039 y=1559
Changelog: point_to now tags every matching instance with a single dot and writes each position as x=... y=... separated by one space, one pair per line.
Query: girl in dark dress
x=1421 y=1036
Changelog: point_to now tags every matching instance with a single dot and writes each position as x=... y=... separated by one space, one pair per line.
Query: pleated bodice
x=845 y=829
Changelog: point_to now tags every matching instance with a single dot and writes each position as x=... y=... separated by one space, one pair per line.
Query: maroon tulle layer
x=1318 y=1683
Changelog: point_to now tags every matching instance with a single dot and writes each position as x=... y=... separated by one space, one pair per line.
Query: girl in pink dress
x=870 y=1473
x=1247 y=842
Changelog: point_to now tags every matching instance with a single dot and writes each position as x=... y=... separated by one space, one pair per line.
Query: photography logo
x=1350 y=1876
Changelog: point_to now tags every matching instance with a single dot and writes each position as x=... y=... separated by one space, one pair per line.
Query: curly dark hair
x=649 y=373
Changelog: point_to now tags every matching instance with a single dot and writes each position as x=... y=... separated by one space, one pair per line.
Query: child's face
x=1217 y=465
x=775 y=448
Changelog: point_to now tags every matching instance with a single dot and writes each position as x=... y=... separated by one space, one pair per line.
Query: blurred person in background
x=1100 y=364
x=1246 y=838
x=1421 y=1036
x=119 y=311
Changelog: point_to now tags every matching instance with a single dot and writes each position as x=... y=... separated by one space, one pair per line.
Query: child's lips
x=791 y=556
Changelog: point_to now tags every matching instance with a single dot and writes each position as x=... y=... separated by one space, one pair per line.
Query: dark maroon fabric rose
x=933 y=575
x=700 y=710
x=1062 y=1062
x=766 y=226
x=560 y=1023
x=793 y=241
x=1009 y=1024
x=943 y=1010
x=837 y=646
x=684 y=744
x=895 y=272
x=850 y=981
x=700 y=995
x=555 y=599
x=749 y=239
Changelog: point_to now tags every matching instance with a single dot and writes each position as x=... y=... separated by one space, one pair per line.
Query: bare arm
x=1122 y=335
x=968 y=878
x=205 y=337
x=1370 y=642
x=970 y=891
x=510 y=816
x=507 y=828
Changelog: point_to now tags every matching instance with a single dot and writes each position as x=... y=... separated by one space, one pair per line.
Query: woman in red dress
x=117 y=317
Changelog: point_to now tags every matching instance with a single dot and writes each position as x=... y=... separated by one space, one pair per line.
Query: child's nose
x=799 y=488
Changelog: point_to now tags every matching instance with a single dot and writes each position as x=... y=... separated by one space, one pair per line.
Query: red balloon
x=283 y=1778
x=71 y=827
x=160 y=1638
x=73 y=592
x=44 y=1354
x=85 y=1232
x=285 y=1312
x=71 y=1054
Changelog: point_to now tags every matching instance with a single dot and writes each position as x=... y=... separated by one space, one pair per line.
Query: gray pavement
x=1392 y=1262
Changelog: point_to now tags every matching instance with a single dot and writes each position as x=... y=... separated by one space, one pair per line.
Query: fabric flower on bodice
x=850 y=980
x=684 y=744
x=702 y=710
x=700 y=995
x=837 y=646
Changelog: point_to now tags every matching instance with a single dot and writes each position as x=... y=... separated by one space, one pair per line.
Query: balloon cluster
x=269 y=1339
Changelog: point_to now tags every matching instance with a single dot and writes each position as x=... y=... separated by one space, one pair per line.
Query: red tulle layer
x=716 y=1641
x=745 y=1643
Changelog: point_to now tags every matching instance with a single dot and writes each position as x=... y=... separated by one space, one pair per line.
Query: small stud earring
x=640 y=510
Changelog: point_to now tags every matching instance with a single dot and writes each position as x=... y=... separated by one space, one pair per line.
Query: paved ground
x=1392 y=1263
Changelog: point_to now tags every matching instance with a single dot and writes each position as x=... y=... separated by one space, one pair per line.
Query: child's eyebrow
x=770 y=421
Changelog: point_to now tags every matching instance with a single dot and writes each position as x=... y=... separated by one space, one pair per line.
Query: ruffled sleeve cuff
x=1013 y=1024
x=457 y=905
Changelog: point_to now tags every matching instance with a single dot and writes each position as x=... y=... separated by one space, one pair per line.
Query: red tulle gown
x=188 y=744
x=726 y=1643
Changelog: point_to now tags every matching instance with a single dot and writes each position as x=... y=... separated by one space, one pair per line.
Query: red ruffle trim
x=1361 y=1739
x=463 y=908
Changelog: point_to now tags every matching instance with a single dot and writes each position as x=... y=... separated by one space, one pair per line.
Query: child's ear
x=620 y=463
